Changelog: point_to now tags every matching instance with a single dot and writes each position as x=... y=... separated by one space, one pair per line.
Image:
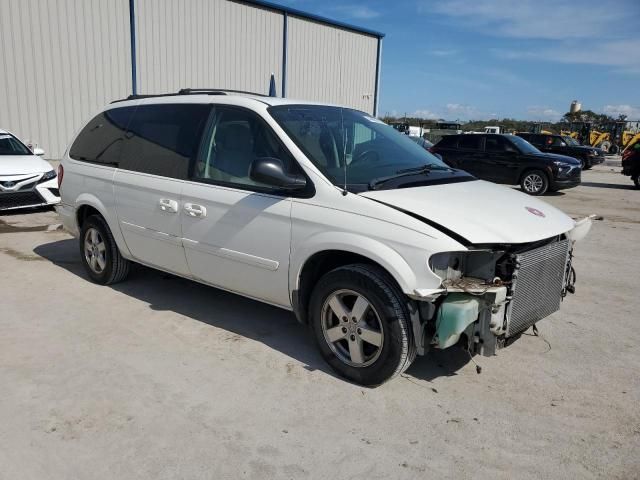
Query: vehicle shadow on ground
x=608 y=185
x=272 y=326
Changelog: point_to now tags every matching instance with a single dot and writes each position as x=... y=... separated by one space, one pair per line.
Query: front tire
x=636 y=181
x=99 y=253
x=361 y=323
x=534 y=182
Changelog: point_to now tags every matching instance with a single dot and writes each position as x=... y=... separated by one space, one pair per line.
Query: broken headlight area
x=491 y=295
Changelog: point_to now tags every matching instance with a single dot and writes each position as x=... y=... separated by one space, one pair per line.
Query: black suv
x=509 y=159
x=588 y=156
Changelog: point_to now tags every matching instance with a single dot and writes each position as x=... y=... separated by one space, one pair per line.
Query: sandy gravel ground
x=162 y=378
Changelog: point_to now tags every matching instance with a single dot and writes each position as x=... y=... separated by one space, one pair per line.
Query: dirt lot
x=161 y=378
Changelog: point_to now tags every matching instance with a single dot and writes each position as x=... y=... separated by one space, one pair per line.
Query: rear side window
x=537 y=140
x=495 y=144
x=470 y=142
x=162 y=139
x=101 y=140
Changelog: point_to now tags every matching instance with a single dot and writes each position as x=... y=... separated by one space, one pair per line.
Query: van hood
x=480 y=212
x=23 y=164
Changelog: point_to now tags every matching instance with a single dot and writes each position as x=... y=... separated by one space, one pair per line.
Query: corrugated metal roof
x=311 y=16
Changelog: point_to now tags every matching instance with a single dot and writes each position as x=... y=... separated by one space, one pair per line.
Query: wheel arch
x=309 y=267
x=87 y=204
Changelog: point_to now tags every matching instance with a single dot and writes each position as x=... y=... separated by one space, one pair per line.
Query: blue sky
x=478 y=59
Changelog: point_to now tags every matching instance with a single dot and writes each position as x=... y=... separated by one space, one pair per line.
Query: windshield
x=570 y=141
x=523 y=145
x=348 y=146
x=10 y=145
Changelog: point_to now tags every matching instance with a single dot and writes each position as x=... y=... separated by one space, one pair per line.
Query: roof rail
x=216 y=91
x=190 y=91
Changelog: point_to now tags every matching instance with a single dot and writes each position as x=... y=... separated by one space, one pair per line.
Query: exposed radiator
x=538 y=280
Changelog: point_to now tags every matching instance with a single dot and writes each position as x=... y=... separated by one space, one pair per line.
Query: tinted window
x=557 y=142
x=448 y=141
x=101 y=140
x=10 y=145
x=537 y=140
x=470 y=142
x=496 y=144
x=162 y=139
x=234 y=138
x=522 y=145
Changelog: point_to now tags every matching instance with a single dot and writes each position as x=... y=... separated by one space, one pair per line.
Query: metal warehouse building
x=62 y=60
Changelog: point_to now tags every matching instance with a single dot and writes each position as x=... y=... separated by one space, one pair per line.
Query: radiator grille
x=537 y=285
x=20 y=199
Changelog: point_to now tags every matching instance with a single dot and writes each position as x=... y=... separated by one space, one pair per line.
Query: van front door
x=237 y=232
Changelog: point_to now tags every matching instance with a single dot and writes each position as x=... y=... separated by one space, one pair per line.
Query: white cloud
x=461 y=111
x=546 y=19
x=544 y=113
x=632 y=112
x=360 y=12
x=624 y=54
x=427 y=114
x=443 y=52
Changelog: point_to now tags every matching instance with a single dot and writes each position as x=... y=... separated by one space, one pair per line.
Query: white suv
x=375 y=243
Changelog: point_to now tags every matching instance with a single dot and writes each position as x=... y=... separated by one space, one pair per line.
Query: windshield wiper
x=421 y=170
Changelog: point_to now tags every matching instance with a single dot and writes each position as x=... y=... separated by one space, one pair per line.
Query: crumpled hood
x=22 y=164
x=480 y=212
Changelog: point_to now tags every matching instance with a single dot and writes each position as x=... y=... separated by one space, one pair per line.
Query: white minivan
x=382 y=249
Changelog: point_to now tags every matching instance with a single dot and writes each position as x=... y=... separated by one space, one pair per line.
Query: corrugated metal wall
x=331 y=64
x=60 y=60
x=206 y=44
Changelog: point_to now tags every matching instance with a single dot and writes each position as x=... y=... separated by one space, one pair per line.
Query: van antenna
x=342 y=130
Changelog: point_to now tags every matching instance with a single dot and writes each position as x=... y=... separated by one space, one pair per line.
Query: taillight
x=60 y=175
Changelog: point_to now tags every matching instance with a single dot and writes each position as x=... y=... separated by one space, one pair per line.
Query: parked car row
x=510 y=160
x=564 y=145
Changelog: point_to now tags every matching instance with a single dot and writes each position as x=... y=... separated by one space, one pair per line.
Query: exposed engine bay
x=492 y=294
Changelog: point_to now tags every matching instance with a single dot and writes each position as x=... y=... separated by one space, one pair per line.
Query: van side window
x=162 y=139
x=100 y=141
x=234 y=138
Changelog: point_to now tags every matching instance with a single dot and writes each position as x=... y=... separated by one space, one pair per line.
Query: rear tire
x=362 y=325
x=636 y=181
x=99 y=253
x=534 y=182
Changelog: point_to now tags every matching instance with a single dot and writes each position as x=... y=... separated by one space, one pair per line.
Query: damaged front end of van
x=490 y=295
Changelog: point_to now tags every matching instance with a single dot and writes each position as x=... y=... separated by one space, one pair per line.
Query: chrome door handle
x=194 y=210
x=166 y=205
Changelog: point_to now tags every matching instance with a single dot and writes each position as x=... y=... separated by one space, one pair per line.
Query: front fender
x=375 y=250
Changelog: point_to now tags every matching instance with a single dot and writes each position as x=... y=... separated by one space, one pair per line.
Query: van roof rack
x=191 y=91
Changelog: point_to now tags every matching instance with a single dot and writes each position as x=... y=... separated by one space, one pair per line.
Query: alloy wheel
x=95 y=250
x=352 y=328
x=533 y=183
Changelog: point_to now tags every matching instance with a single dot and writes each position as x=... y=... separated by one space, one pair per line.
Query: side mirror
x=270 y=171
x=38 y=151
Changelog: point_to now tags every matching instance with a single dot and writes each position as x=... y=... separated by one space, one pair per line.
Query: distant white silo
x=575 y=107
